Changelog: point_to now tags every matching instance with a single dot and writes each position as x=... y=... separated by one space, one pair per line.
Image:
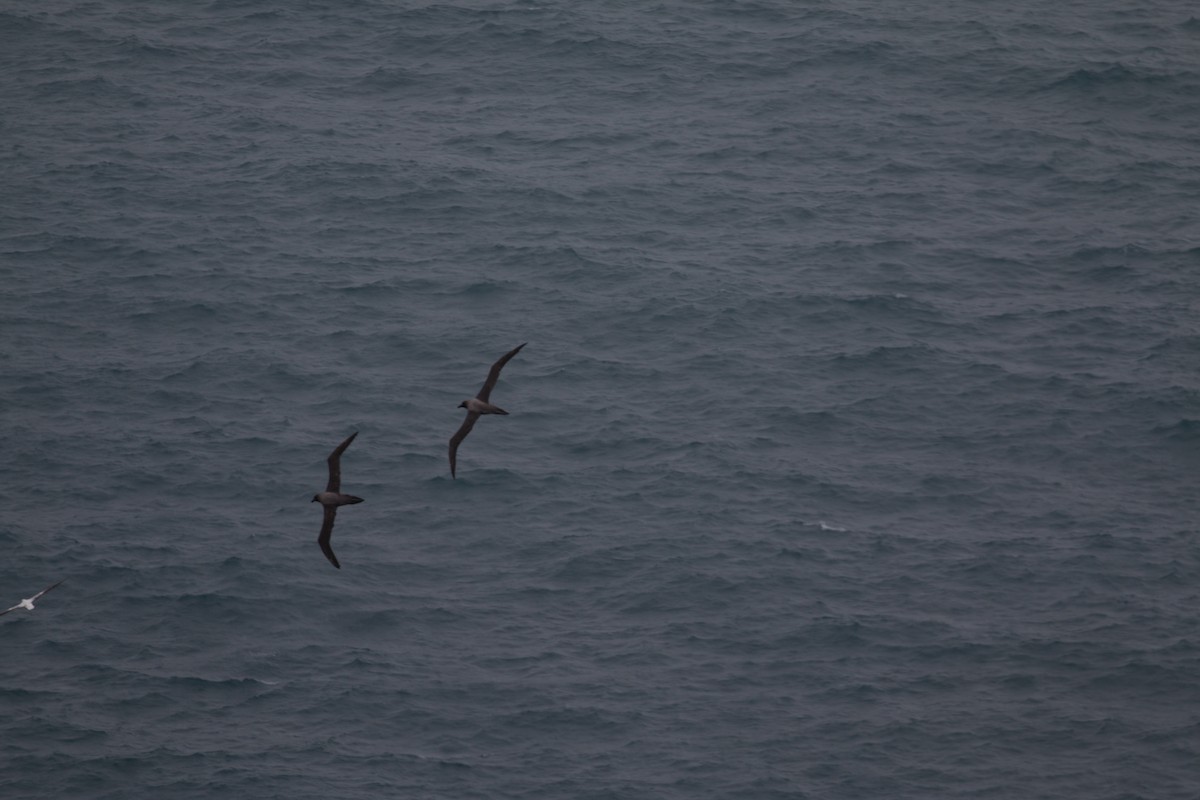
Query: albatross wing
x=327 y=533
x=335 y=464
x=457 y=438
x=494 y=373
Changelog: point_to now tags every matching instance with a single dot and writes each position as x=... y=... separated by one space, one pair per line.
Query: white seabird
x=479 y=405
x=27 y=603
x=332 y=497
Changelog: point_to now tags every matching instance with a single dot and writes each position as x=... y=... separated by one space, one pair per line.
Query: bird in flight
x=332 y=497
x=479 y=405
x=27 y=603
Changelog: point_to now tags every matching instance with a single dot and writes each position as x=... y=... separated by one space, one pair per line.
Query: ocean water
x=853 y=453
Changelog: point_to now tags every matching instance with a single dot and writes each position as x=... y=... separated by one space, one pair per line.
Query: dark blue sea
x=853 y=454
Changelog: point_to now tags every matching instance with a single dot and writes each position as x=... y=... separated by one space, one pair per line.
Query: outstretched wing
x=43 y=591
x=14 y=608
x=494 y=374
x=461 y=434
x=327 y=530
x=335 y=467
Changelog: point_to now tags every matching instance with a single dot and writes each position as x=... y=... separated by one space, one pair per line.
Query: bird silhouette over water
x=27 y=603
x=332 y=497
x=479 y=405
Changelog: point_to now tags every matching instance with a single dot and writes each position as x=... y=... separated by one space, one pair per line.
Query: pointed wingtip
x=327 y=551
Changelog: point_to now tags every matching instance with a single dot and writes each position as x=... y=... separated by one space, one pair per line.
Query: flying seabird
x=479 y=405
x=332 y=497
x=27 y=603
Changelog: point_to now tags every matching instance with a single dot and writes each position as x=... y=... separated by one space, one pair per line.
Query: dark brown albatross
x=479 y=405
x=332 y=497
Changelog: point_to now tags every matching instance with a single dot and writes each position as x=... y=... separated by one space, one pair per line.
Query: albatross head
x=316 y=498
x=463 y=404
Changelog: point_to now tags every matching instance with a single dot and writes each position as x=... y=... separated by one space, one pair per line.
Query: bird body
x=476 y=406
x=335 y=499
